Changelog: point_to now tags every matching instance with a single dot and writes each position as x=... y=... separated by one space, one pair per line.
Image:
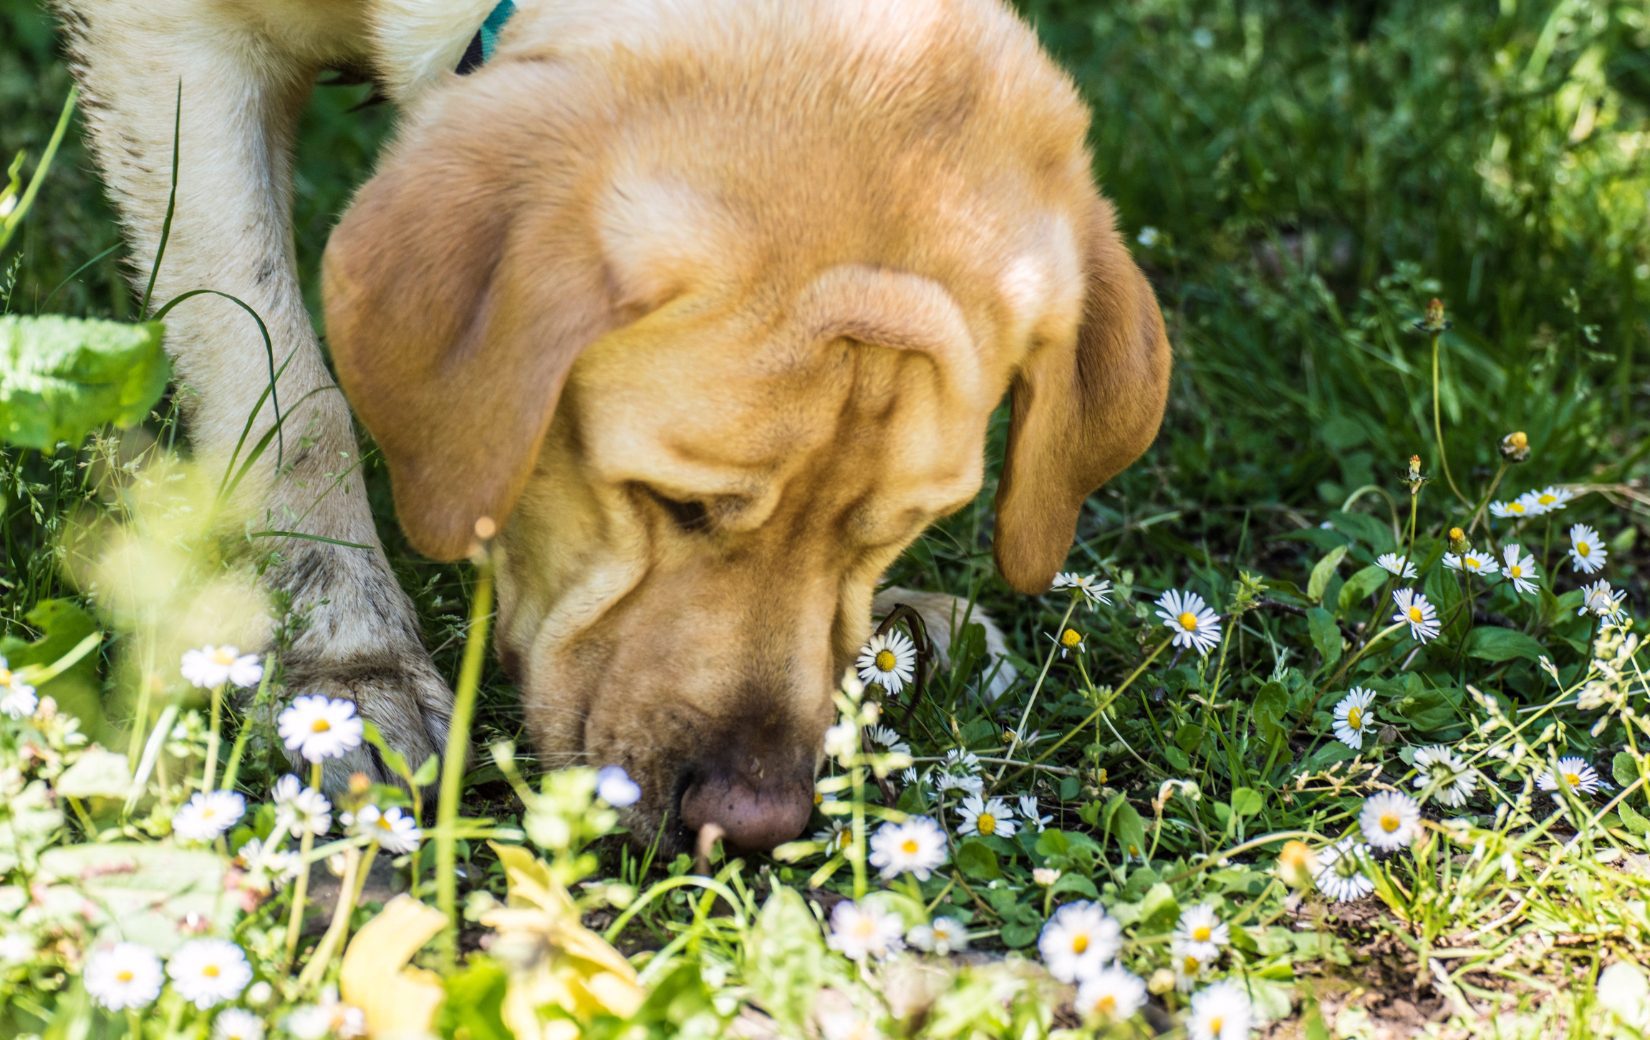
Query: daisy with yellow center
x=1442 y=772
x=1220 y=1012
x=1390 y=820
x=1517 y=509
x=1353 y=717
x=1549 y=499
x=391 y=829
x=1111 y=995
x=1573 y=774
x=943 y=935
x=859 y=931
x=986 y=817
x=888 y=660
x=1416 y=611
x=1186 y=615
x=1396 y=564
x=1587 y=553
x=212 y=666
x=1078 y=941
x=124 y=977
x=1202 y=932
x=1601 y=600
x=1340 y=874
x=1519 y=568
x=209 y=972
x=1094 y=590
x=319 y=728
x=915 y=847
x=207 y=815
x=1471 y=562
x=1069 y=640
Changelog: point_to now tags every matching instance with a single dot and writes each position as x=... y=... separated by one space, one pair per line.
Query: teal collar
x=485 y=41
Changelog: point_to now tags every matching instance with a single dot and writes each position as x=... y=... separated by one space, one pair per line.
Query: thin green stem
x=300 y=888
x=1042 y=676
x=214 y=735
x=1438 y=424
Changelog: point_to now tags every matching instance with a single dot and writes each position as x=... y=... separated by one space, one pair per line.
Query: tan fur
x=778 y=260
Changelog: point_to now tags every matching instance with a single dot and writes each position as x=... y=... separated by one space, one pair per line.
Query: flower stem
x=1048 y=662
x=452 y=764
x=300 y=889
x=1438 y=424
x=214 y=731
x=1098 y=711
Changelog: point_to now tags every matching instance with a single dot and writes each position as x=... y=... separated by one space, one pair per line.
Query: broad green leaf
x=98 y=773
x=1160 y=908
x=786 y=962
x=1360 y=587
x=1319 y=581
x=1269 y=710
x=1326 y=635
x=1624 y=768
x=976 y=860
x=143 y=893
x=1126 y=826
x=60 y=378
x=1246 y=801
x=1502 y=644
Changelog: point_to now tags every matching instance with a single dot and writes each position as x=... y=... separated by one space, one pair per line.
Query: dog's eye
x=687 y=515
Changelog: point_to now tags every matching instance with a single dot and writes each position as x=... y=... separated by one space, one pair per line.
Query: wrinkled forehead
x=732 y=403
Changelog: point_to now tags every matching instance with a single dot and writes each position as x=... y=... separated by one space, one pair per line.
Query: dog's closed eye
x=688 y=515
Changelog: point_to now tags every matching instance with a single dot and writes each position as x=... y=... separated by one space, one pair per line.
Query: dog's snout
x=756 y=807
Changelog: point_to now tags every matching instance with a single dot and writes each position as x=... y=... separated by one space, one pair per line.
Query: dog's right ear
x=456 y=303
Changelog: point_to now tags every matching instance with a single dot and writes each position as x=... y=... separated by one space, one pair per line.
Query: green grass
x=1314 y=175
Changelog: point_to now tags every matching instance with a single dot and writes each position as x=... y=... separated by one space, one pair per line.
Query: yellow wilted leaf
x=554 y=960
x=377 y=977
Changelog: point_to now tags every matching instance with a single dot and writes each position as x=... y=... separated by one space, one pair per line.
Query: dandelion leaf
x=60 y=377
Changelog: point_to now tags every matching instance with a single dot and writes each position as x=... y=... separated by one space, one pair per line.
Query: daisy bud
x=1414 y=467
x=1045 y=876
x=1458 y=540
x=1296 y=864
x=1434 y=321
x=1161 y=982
x=1515 y=446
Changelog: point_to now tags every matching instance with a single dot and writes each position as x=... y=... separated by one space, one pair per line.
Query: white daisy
x=236 y=1024
x=209 y=972
x=1550 y=499
x=207 y=815
x=1390 y=820
x=886 y=739
x=1190 y=619
x=889 y=660
x=986 y=818
x=17 y=698
x=124 y=976
x=916 y=846
x=1029 y=812
x=1517 y=509
x=265 y=865
x=1415 y=610
x=1340 y=875
x=217 y=665
x=614 y=786
x=1471 y=562
x=300 y=808
x=1113 y=994
x=859 y=931
x=1601 y=600
x=1095 y=590
x=1220 y=1012
x=1190 y=964
x=1573 y=773
x=1353 y=717
x=1442 y=771
x=329 y=1018
x=1396 y=564
x=1519 y=567
x=943 y=935
x=836 y=835
x=959 y=771
x=1202 y=930
x=391 y=829
x=319 y=728
x=1587 y=554
x=1078 y=941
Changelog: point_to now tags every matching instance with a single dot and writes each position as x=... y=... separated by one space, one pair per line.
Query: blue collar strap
x=485 y=41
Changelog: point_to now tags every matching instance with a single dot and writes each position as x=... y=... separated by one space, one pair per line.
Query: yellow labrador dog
x=705 y=304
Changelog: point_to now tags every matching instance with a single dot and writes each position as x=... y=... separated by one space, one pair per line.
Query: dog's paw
x=402 y=694
x=944 y=617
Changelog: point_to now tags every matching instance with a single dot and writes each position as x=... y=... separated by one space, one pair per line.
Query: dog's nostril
x=754 y=817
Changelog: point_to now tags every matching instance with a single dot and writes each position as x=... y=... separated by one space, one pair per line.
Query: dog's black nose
x=754 y=808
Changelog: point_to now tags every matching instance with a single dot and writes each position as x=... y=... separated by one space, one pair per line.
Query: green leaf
x=62 y=377
x=1126 y=826
x=1633 y=820
x=1326 y=635
x=786 y=962
x=1360 y=587
x=1159 y=909
x=1270 y=709
x=97 y=773
x=1502 y=644
x=1625 y=768
x=1246 y=801
x=976 y=860
x=1319 y=581
x=475 y=1001
x=146 y=892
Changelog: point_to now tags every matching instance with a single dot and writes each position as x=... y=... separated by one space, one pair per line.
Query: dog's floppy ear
x=454 y=309
x=1082 y=410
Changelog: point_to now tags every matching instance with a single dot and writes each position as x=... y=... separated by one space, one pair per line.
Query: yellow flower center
x=5 y=676
x=986 y=823
x=819 y=798
x=1572 y=779
x=1584 y=549
x=1070 y=638
x=1516 y=507
x=1106 y=1005
x=1390 y=822
x=1190 y=965
x=1519 y=439
x=1217 y=1024
x=885 y=660
x=1546 y=500
x=1415 y=614
x=210 y=971
x=1188 y=621
x=1080 y=943
x=1516 y=571
x=1202 y=933
x=222 y=656
x=1473 y=562
x=124 y=975
x=384 y=823
x=910 y=847
x=320 y=726
x=1355 y=717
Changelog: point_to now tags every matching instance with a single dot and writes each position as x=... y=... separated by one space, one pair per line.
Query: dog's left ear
x=456 y=303
x=1082 y=410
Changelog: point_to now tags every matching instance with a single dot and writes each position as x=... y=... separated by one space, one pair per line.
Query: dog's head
x=712 y=324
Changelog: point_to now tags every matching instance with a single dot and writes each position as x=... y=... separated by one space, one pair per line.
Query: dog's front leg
x=242 y=87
